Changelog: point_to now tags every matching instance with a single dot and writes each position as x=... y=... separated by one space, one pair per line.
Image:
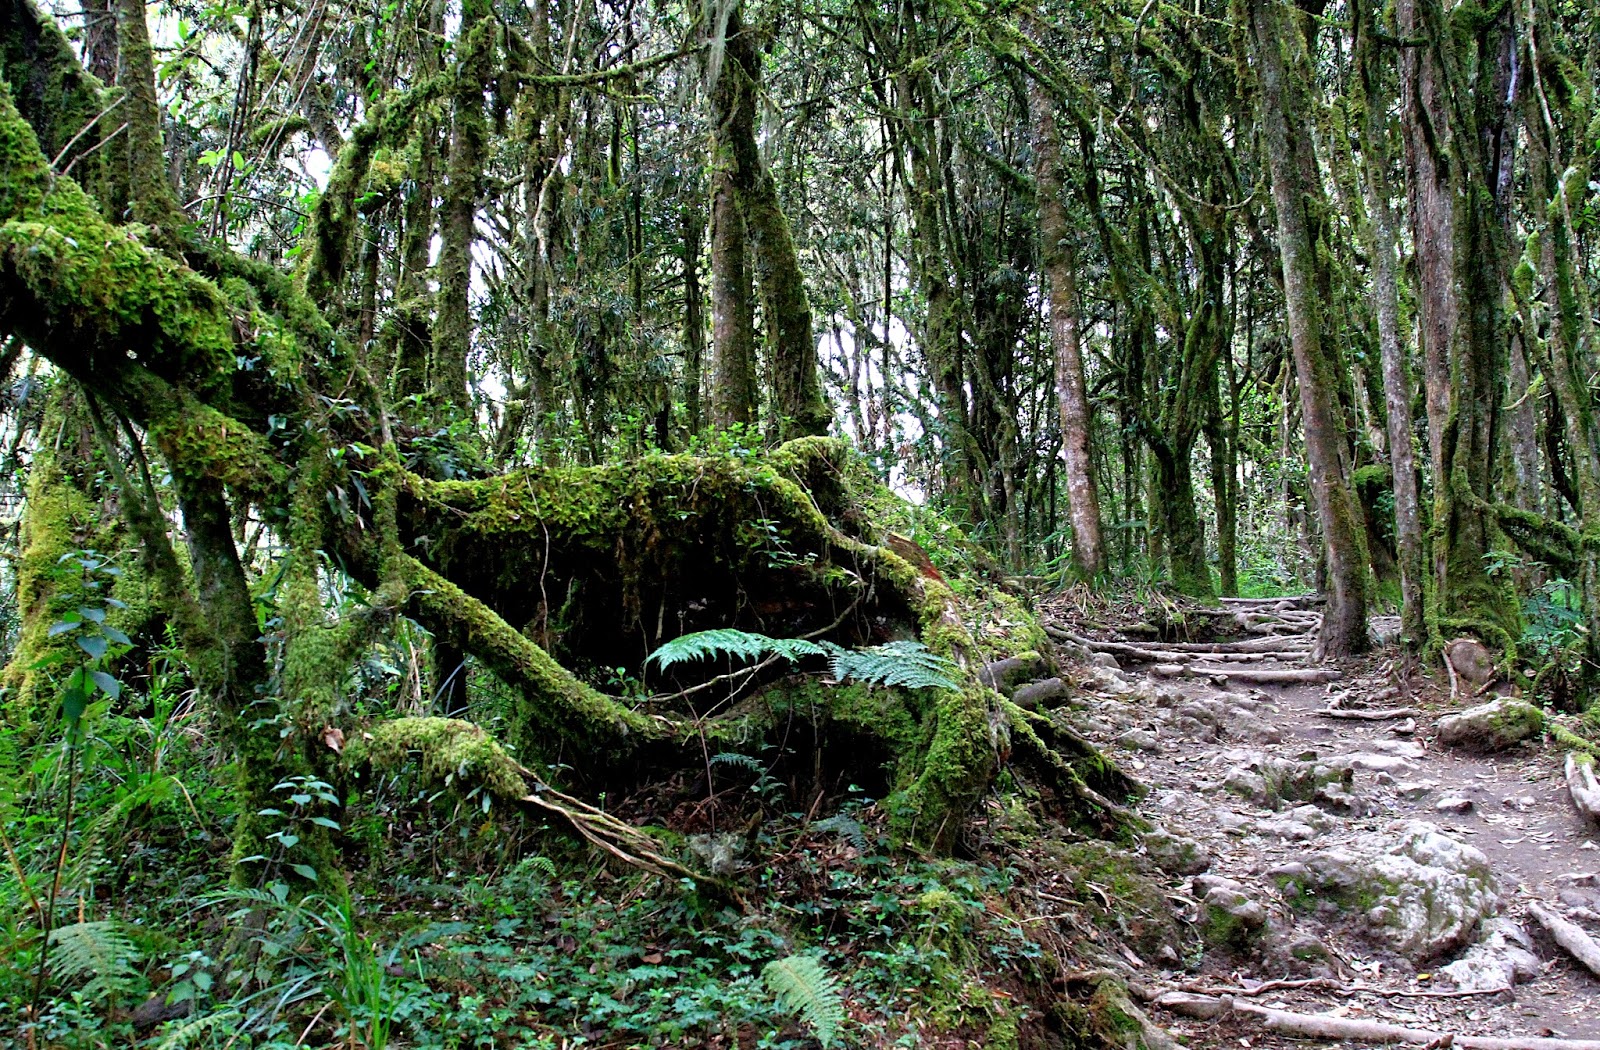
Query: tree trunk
x=1386 y=294
x=1426 y=126
x=1301 y=207
x=797 y=400
x=1057 y=258
x=1181 y=534
x=733 y=351
x=452 y=329
x=692 y=223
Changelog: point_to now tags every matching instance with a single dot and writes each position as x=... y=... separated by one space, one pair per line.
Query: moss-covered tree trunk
x=452 y=328
x=1380 y=230
x=797 y=399
x=734 y=392
x=1301 y=208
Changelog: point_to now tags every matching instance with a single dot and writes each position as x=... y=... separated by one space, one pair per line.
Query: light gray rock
x=1376 y=763
x=1274 y=782
x=1416 y=790
x=1453 y=804
x=1501 y=957
x=1300 y=824
x=1412 y=888
x=1175 y=854
x=1229 y=919
x=1139 y=740
x=1105 y=660
x=1494 y=726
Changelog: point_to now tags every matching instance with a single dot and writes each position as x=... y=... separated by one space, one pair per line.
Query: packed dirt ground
x=1336 y=842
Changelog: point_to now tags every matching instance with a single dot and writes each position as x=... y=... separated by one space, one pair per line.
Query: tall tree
x=1056 y=254
x=1300 y=203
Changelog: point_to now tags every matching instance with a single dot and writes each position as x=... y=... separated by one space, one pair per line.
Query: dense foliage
x=513 y=507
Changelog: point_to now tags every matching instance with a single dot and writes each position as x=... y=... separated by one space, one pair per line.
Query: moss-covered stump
x=600 y=565
x=557 y=576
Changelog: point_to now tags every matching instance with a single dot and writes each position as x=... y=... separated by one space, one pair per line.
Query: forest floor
x=1284 y=807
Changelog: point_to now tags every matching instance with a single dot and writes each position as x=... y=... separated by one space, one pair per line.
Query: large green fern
x=905 y=663
x=804 y=986
x=732 y=643
x=98 y=953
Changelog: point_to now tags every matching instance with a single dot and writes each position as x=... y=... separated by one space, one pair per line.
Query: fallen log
x=1296 y=600
x=1376 y=714
x=1569 y=936
x=1251 y=675
x=1251 y=645
x=1334 y=1029
x=1582 y=786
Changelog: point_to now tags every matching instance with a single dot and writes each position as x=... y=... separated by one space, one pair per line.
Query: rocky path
x=1313 y=828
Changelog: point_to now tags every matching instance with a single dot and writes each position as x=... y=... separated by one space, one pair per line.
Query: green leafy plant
x=805 y=987
x=98 y=953
x=733 y=644
x=906 y=664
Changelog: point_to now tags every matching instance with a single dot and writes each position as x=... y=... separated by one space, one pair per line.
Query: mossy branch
x=461 y=756
x=556 y=705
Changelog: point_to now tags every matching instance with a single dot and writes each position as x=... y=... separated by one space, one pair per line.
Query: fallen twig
x=1569 y=936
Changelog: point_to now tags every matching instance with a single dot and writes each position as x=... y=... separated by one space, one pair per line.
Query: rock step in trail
x=1349 y=852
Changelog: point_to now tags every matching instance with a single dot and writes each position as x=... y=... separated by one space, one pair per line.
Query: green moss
x=446 y=752
x=58 y=517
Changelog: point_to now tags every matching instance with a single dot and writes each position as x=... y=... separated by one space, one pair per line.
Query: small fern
x=98 y=951
x=802 y=985
x=179 y=1036
x=733 y=758
x=844 y=827
x=906 y=664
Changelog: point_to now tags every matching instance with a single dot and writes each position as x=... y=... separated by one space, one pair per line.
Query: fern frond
x=794 y=649
x=846 y=828
x=802 y=985
x=703 y=645
x=733 y=758
x=98 y=951
x=181 y=1035
x=906 y=664
x=732 y=643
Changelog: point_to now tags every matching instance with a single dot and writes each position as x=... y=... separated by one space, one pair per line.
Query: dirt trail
x=1194 y=728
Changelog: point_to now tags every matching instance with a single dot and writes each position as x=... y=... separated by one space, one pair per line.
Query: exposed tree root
x=1252 y=675
x=1568 y=935
x=1582 y=786
x=1382 y=714
x=1322 y=1026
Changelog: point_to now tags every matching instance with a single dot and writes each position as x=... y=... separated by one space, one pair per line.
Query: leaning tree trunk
x=1088 y=551
x=1301 y=208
